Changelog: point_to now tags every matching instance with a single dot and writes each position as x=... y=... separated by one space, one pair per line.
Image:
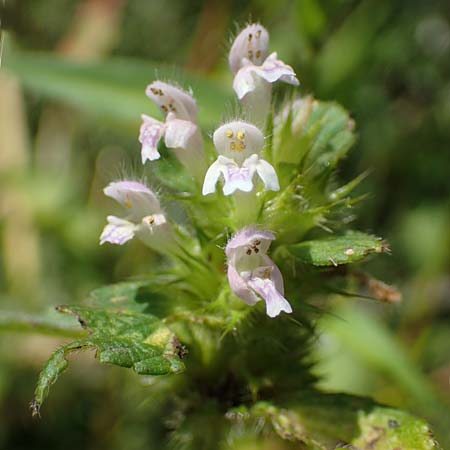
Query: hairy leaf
x=347 y=248
x=121 y=337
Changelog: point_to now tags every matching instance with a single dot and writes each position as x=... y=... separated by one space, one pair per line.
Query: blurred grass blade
x=112 y=89
x=348 y=48
x=376 y=346
x=48 y=324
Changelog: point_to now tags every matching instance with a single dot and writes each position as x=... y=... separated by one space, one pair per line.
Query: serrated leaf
x=121 y=337
x=344 y=249
x=330 y=134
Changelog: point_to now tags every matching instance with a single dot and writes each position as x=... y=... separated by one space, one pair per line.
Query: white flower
x=177 y=134
x=252 y=274
x=180 y=129
x=249 y=62
x=255 y=71
x=239 y=145
x=145 y=219
x=249 y=76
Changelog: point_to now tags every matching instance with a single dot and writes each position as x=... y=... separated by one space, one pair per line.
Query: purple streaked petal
x=238 y=178
x=240 y=288
x=275 y=302
x=150 y=134
x=118 y=231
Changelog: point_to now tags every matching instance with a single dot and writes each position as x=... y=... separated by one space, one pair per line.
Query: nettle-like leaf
x=325 y=421
x=122 y=337
x=306 y=157
x=347 y=248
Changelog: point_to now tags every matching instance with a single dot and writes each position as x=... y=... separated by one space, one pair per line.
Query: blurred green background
x=71 y=93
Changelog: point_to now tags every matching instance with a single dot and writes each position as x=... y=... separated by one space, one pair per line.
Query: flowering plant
x=228 y=319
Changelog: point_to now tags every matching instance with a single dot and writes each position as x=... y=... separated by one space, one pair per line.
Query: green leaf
x=113 y=89
x=323 y=421
x=331 y=136
x=121 y=337
x=344 y=249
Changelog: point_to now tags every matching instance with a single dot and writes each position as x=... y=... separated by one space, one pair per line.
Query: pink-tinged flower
x=252 y=274
x=239 y=145
x=249 y=61
x=255 y=71
x=179 y=130
x=145 y=219
x=177 y=134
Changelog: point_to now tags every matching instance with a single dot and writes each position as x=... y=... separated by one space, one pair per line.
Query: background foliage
x=67 y=128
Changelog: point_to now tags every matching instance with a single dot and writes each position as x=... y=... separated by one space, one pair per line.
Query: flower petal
x=172 y=99
x=150 y=134
x=252 y=43
x=275 y=302
x=275 y=274
x=274 y=69
x=237 y=178
x=136 y=197
x=244 y=82
x=265 y=171
x=178 y=132
x=240 y=287
x=118 y=231
x=212 y=176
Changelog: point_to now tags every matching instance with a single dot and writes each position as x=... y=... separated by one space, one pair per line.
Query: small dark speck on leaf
x=393 y=423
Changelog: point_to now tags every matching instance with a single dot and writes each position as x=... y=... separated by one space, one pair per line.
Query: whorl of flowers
x=241 y=168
